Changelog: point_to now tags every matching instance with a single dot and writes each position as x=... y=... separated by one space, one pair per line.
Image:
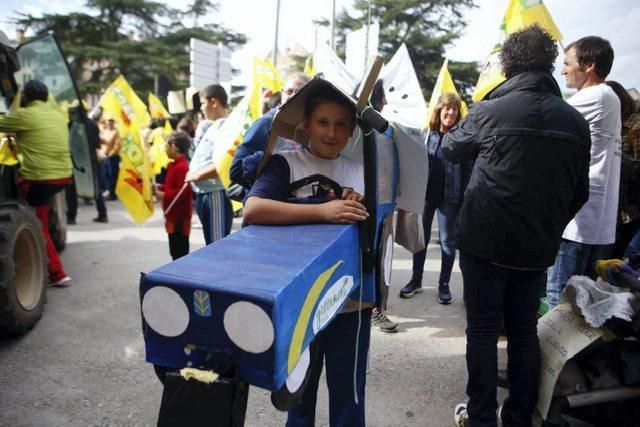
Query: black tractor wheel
x=23 y=268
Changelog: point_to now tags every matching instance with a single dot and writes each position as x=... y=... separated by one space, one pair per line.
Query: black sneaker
x=104 y=219
x=444 y=295
x=382 y=322
x=413 y=287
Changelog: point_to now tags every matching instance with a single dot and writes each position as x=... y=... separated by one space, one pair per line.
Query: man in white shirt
x=586 y=65
x=212 y=203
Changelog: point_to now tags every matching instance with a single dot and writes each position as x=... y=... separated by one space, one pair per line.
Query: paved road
x=83 y=364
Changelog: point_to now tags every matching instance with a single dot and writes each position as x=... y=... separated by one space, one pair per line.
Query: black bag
x=194 y=403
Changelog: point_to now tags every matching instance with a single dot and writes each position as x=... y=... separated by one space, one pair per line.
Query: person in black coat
x=530 y=178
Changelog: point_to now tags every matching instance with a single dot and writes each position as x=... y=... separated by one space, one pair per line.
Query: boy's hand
x=350 y=194
x=343 y=211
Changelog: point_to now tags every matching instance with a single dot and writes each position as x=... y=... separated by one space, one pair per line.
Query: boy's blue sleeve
x=273 y=182
x=244 y=166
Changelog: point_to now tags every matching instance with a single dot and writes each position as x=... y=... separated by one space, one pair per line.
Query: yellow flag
x=228 y=137
x=158 y=152
x=520 y=14
x=444 y=84
x=308 y=67
x=134 y=180
x=265 y=75
x=255 y=102
x=167 y=129
x=524 y=13
x=121 y=102
x=7 y=156
x=156 y=109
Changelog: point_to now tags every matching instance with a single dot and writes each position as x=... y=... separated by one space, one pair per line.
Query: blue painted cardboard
x=273 y=267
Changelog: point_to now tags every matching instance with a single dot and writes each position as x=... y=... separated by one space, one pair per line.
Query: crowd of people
x=529 y=188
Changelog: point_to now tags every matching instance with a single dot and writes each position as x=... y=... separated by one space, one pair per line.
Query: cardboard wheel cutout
x=23 y=268
x=290 y=394
x=385 y=257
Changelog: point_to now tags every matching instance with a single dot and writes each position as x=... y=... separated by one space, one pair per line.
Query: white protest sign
x=562 y=334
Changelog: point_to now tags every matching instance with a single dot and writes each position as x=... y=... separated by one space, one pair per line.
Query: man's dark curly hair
x=530 y=49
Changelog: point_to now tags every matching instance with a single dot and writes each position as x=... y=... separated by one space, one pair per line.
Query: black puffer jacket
x=531 y=174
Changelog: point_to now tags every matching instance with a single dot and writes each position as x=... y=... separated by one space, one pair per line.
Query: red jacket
x=173 y=183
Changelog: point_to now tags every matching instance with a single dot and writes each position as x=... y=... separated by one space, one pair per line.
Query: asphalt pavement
x=83 y=364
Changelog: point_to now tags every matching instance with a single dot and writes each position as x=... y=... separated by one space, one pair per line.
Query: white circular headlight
x=165 y=312
x=249 y=327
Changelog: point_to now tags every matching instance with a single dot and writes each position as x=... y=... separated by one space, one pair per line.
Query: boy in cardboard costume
x=329 y=121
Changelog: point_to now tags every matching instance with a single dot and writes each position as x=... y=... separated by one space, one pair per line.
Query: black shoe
x=444 y=295
x=71 y=221
x=382 y=322
x=104 y=219
x=413 y=287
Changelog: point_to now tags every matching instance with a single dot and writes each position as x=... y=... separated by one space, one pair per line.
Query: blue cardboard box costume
x=258 y=297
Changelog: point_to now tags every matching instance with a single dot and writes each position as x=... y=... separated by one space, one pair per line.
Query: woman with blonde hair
x=445 y=188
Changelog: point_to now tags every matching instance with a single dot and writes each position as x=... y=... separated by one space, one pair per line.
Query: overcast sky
x=616 y=20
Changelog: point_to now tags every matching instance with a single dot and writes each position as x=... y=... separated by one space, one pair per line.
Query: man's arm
x=13 y=121
x=461 y=143
x=208 y=172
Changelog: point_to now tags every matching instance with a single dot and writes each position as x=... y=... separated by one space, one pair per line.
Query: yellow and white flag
x=7 y=156
x=156 y=108
x=444 y=84
x=520 y=14
x=134 y=180
x=121 y=102
x=265 y=76
x=228 y=137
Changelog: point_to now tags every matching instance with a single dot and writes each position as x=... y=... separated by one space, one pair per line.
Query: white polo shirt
x=595 y=223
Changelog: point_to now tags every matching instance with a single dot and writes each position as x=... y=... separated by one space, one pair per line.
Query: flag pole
x=275 y=41
x=333 y=27
x=175 y=199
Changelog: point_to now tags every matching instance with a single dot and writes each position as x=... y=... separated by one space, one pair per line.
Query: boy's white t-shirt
x=346 y=172
x=595 y=223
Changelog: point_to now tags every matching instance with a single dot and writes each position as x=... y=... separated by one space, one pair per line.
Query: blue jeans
x=493 y=293
x=113 y=171
x=104 y=171
x=573 y=259
x=336 y=344
x=216 y=215
x=634 y=246
x=447 y=214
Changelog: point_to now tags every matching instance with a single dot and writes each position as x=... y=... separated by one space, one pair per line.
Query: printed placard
x=562 y=334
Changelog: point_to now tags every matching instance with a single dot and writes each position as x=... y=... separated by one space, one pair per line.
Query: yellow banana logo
x=295 y=349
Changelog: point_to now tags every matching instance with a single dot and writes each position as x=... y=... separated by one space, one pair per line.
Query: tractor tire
x=58 y=221
x=23 y=268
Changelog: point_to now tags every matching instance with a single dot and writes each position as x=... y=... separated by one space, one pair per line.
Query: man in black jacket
x=530 y=178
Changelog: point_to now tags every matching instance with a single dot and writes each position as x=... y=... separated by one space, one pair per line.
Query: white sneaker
x=460 y=415
x=65 y=281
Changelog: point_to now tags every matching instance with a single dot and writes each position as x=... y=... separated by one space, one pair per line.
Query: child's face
x=329 y=128
x=172 y=150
